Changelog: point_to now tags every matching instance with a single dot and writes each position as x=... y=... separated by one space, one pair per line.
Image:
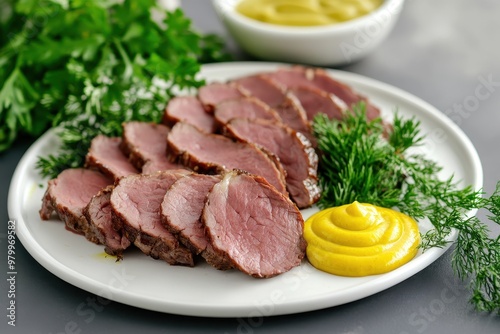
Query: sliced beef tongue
x=136 y=202
x=181 y=214
x=69 y=193
x=294 y=150
x=211 y=153
x=286 y=105
x=105 y=155
x=145 y=144
x=252 y=224
x=188 y=109
x=318 y=78
x=99 y=216
x=245 y=107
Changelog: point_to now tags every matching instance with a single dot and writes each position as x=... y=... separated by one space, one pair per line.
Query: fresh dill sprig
x=370 y=161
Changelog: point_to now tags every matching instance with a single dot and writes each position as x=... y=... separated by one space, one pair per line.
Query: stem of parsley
x=369 y=161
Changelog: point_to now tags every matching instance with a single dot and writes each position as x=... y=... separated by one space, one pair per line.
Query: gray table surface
x=444 y=52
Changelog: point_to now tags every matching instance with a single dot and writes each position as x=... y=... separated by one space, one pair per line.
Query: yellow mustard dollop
x=360 y=239
x=306 y=12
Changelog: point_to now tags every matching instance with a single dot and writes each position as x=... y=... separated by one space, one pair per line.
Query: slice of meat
x=315 y=101
x=105 y=155
x=293 y=114
x=190 y=110
x=261 y=88
x=210 y=153
x=255 y=226
x=181 y=214
x=314 y=77
x=214 y=93
x=153 y=166
x=245 y=107
x=145 y=144
x=136 y=202
x=99 y=216
x=286 y=105
x=294 y=150
x=69 y=193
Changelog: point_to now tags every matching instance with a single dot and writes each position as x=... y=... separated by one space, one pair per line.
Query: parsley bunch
x=88 y=66
x=370 y=161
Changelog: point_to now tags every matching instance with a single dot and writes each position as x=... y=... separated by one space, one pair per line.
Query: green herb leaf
x=114 y=64
x=369 y=161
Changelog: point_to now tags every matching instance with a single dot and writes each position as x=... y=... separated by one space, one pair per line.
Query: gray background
x=440 y=51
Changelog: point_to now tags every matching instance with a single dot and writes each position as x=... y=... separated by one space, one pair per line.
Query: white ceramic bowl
x=335 y=44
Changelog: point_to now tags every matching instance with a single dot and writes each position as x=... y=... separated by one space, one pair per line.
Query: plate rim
x=81 y=281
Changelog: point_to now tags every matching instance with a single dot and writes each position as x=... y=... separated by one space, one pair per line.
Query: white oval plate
x=140 y=281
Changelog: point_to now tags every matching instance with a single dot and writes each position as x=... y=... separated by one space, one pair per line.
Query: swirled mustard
x=306 y=12
x=360 y=239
